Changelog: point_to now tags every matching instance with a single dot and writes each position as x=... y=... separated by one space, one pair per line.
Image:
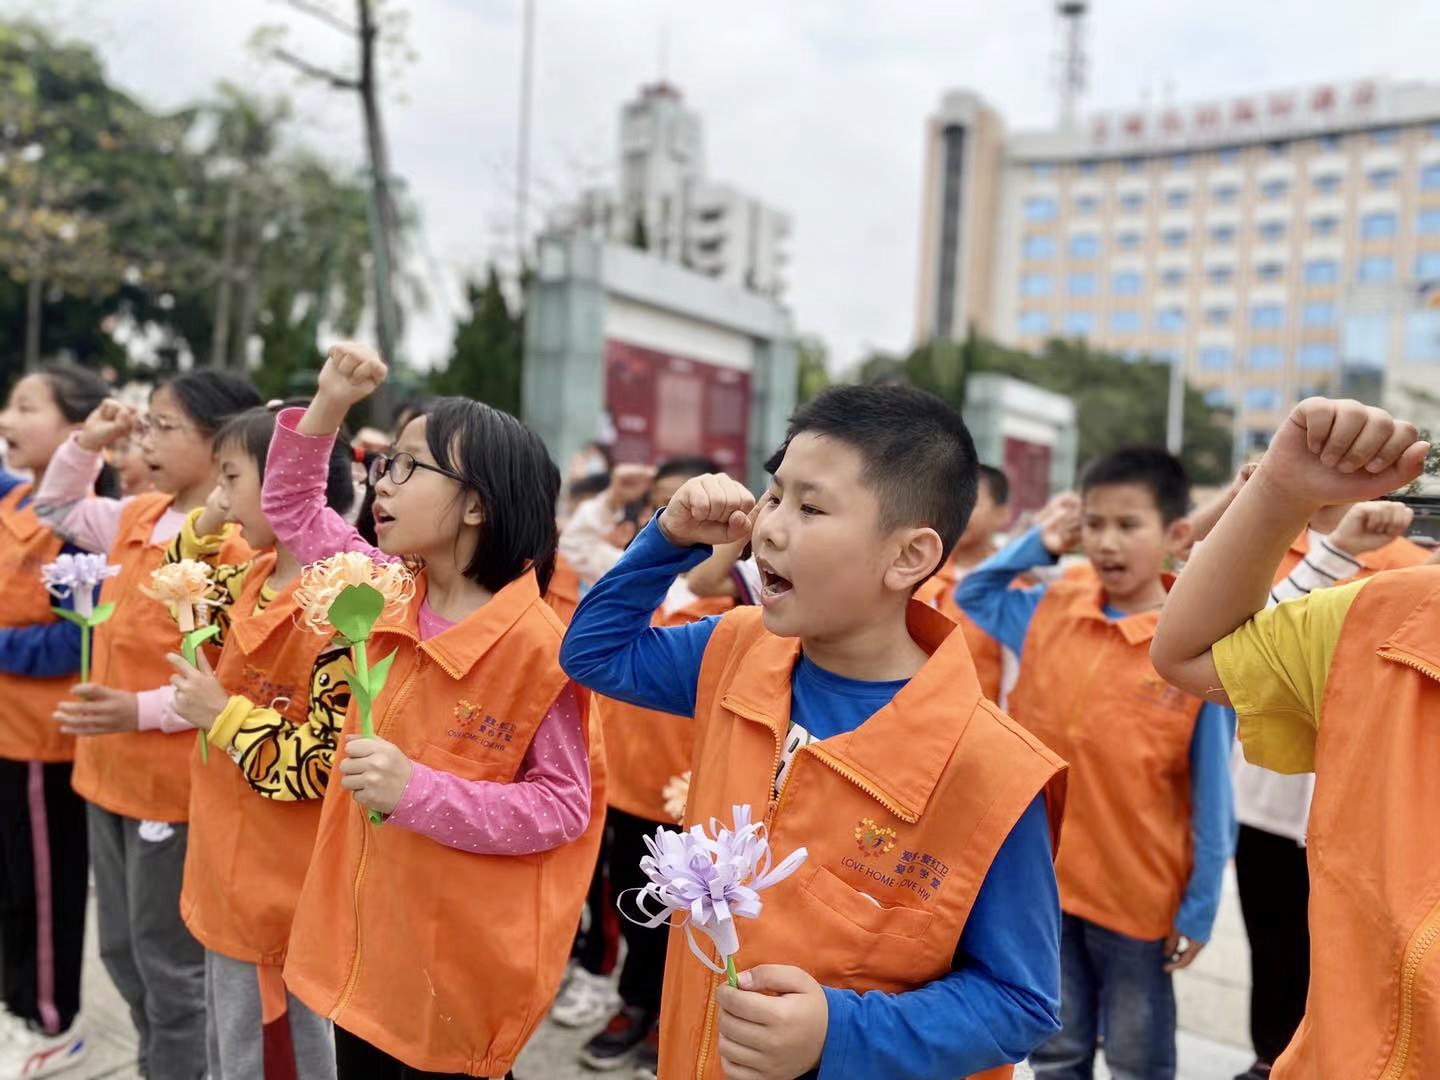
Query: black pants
x=597 y=942
x=355 y=1059
x=644 y=968
x=1274 y=898
x=44 y=866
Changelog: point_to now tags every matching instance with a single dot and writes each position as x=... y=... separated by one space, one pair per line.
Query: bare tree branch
x=317 y=12
x=313 y=71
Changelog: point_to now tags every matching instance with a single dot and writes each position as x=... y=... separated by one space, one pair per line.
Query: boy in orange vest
x=1344 y=682
x=920 y=938
x=1149 y=821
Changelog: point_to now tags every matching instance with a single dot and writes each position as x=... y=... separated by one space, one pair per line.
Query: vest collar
x=1089 y=602
x=462 y=646
x=22 y=524
x=250 y=630
x=927 y=717
x=1414 y=641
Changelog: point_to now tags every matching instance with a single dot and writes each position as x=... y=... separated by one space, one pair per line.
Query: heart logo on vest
x=874 y=839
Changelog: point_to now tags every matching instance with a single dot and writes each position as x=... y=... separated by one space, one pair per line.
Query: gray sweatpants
x=156 y=965
x=234 y=1029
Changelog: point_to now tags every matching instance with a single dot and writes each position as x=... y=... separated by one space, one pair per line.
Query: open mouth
x=772 y=585
x=1110 y=569
x=382 y=517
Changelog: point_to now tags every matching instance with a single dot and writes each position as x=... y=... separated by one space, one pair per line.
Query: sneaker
x=1259 y=1071
x=35 y=1054
x=586 y=999
x=647 y=1058
x=611 y=1048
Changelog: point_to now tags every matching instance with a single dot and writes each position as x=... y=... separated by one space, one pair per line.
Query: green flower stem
x=85 y=632
x=362 y=673
x=730 y=972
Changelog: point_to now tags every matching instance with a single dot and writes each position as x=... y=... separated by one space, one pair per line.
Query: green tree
x=812 y=375
x=488 y=355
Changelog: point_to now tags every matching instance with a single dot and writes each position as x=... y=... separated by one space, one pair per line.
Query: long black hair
x=211 y=397
x=78 y=392
x=251 y=431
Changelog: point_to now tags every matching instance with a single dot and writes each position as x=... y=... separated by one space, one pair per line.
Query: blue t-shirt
x=42 y=650
x=1002 y=998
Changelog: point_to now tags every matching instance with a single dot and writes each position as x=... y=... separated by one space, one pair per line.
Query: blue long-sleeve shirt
x=1002 y=997
x=42 y=650
x=1005 y=613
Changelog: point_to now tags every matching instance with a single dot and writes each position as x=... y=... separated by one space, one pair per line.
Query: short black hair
x=506 y=464
x=584 y=487
x=694 y=465
x=210 y=397
x=998 y=483
x=1149 y=467
x=918 y=455
x=251 y=431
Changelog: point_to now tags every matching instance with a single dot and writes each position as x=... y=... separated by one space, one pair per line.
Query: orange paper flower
x=183 y=585
x=677 y=794
x=322 y=582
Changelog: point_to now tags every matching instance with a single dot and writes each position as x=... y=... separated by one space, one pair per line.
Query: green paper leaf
x=378 y=673
x=356 y=610
x=360 y=694
x=70 y=616
x=103 y=612
x=191 y=642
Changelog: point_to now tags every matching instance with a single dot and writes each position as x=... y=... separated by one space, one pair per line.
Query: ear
x=1179 y=537
x=917 y=556
x=474 y=513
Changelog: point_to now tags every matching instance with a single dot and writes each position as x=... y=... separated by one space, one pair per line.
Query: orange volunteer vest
x=29 y=732
x=1396 y=555
x=445 y=959
x=563 y=596
x=644 y=748
x=1374 y=1005
x=939 y=593
x=902 y=818
x=138 y=774
x=1087 y=689
x=247 y=854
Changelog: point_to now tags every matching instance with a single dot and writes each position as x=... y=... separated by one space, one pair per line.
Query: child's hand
x=1059 y=523
x=212 y=519
x=711 y=509
x=99 y=710
x=1180 y=952
x=1331 y=452
x=1370 y=525
x=376 y=772
x=773 y=1027
x=352 y=372
x=107 y=424
x=628 y=483
x=199 y=697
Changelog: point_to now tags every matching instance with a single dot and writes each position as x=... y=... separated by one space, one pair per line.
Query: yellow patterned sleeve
x=229 y=579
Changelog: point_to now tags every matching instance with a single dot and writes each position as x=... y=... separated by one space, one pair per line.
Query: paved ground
x=1213 y=1001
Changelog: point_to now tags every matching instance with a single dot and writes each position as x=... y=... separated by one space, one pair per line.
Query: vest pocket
x=464 y=767
x=864 y=911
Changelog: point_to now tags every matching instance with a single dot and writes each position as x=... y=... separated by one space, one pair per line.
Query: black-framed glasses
x=400 y=467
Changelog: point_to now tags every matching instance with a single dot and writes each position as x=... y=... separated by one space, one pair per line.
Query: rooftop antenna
x=1073 y=62
x=664 y=45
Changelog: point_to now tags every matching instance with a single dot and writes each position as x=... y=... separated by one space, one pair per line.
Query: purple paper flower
x=77 y=575
x=709 y=881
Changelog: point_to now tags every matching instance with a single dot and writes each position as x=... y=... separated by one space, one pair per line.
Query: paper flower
x=185 y=587
x=322 y=583
x=676 y=793
x=77 y=576
x=708 y=881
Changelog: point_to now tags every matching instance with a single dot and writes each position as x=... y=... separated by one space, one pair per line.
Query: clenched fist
x=711 y=509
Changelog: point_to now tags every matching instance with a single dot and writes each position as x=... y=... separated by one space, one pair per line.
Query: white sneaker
x=586 y=999
x=33 y=1054
x=11 y=1027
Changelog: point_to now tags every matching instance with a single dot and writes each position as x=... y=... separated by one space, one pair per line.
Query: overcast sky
x=816 y=106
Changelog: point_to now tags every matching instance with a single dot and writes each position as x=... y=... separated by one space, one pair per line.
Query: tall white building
x=666 y=205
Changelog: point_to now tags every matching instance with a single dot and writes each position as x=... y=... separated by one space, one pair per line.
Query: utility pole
x=522 y=155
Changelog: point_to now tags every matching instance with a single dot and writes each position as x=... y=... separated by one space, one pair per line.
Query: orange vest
x=939 y=593
x=138 y=774
x=643 y=748
x=28 y=731
x=1087 y=689
x=445 y=959
x=247 y=854
x=1396 y=555
x=1374 y=1005
x=902 y=818
x=563 y=596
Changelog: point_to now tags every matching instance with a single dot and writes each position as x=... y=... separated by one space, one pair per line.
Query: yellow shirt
x=1274 y=668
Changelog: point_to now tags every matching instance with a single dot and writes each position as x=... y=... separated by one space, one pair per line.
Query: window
x=1375 y=268
x=1310 y=390
x=1034 y=322
x=1278 y=149
x=1324 y=226
x=1422 y=336
x=1084 y=246
x=1179 y=162
x=1125 y=321
x=1165 y=356
x=1383 y=179
x=1222 y=234
x=1435 y=131
x=1134 y=164
x=1173 y=277
x=1039 y=247
x=1428 y=222
x=1329 y=143
x=1427 y=265
x=1317 y=355
x=1430 y=178
x=1271 y=232
x=1267 y=316
x=1227 y=155
x=1270 y=271
x=1087 y=168
x=1128 y=241
x=1042 y=170
x=1086 y=204
x=1367 y=340
x=1132 y=202
x=1225 y=194
x=1040 y=209
x=1170 y=320
x=1174 y=238
x=1035 y=285
x=1220 y=275
x=1262 y=399
x=1379 y=226
x=1217 y=397
x=1266 y=358
x=1317 y=313
x=1082 y=285
x=1217 y=316
x=1216 y=358
x=1322 y=272
x=1127 y=283
x=1079 y=323
x=1177 y=200
x=1274 y=189
x=1328 y=184
x=1384 y=136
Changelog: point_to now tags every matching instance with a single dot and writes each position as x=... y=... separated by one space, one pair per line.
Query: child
x=920 y=937
x=997 y=669
x=132 y=766
x=1149 y=825
x=128 y=461
x=43 y=857
x=272 y=708
x=436 y=941
x=1341 y=682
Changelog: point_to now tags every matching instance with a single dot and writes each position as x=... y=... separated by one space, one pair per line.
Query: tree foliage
x=489 y=350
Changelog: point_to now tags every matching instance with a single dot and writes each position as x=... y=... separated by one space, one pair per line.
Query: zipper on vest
x=907 y=816
x=1411 y=662
x=1415 y=954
